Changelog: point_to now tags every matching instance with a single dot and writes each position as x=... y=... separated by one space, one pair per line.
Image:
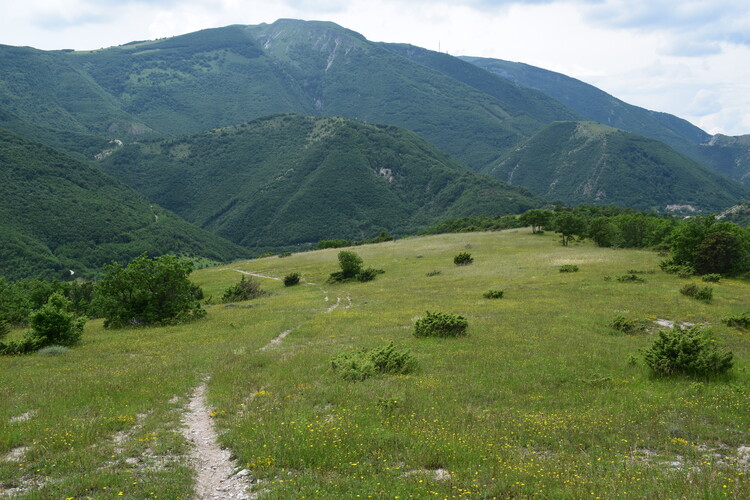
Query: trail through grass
x=541 y=398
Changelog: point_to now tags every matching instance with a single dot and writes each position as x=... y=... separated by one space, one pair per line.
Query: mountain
x=727 y=155
x=292 y=179
x=230 y=75
x=587 y=162
x=730 y=156
x=59 y=214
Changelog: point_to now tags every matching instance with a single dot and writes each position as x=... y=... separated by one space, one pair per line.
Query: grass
x=538 y=400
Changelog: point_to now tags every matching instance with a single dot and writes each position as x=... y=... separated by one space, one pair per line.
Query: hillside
x=541 y=398
x=290 y=179
x=58 y=214
x=730 y=155
x=230 y=75
x=585 y=162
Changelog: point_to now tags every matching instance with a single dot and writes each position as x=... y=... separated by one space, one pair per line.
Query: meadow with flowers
x=541 y=398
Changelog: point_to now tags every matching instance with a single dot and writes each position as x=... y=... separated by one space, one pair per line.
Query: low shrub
x=441 y=325
x=285 y=254
x=627 y=326
x=691 y=352
x=291 y=279
x=630 y=278
x=433 y=273
x=739 y=320
x=368 y=274
x=568 y=268
x=681 y=270
x=247 y=289
x=463 y=259
x=494 y=294
x=711 y=278
x=702 y=293
x=351 y=269
x=363 y=364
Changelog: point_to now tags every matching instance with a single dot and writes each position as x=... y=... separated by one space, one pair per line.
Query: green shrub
x=441 y=325
x=681 y=270
x=53 y=324
x=739 y=320
x=4 y=326
x=703 y=293
x=363 y=364
x=627 y=326
x=147 y=292
x=247 y=289
x=291 y=279
x=493 y=294
x=630 y=278
x=351 y=268
x=285 y=254
x=711 y=278
x=463 y=259
x=368 y=274
x=264 y=255
x=433 y=273
x=568 y=268
x=689 y=352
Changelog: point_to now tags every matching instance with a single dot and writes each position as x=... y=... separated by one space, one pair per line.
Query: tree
x=350 y=263
x=147 y=292
x=536 y=218
x=722 y=252
x=53 y=324
x=568 y=225
x=603 y=231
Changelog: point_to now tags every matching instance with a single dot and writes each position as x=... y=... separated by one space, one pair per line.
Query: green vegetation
x=291 y=279
x=690 y=352
x=739 y=320
x=626 y=326
x=441 y=325
x=568 y=268
x=493 y=294
x=362 y=364
x=586 y=162
x=463 y=259
x=148 y=292
x=248 y=288
x=61 y=215
x=702 y=293
x=351 y=182
x=351 y=269
x=539 y=377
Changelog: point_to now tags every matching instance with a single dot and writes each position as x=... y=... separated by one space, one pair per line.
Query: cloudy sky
x=690 y=58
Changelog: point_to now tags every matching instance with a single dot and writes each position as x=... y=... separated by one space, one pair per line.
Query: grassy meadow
x=541 y=398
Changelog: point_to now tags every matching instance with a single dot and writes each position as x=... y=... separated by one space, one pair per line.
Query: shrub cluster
x=441 y=325
x=681 y=270
x=630 y=278
x=432 y=273
x=247 y=289
x=363 y=364
x=739 y=320
x=351 y=268
x=689 y=352
x=291 y=279
x=627 y=326
x=711 y=278
x=463 y=259
x=568 y=268
x=702 y=293
x=494 y=294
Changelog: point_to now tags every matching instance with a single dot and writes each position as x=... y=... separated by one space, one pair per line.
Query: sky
x=685 y=57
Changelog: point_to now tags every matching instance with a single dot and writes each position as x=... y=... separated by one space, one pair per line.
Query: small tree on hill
x=569 y=226
x=147 y=292
x=54 y=324
x=536 y=218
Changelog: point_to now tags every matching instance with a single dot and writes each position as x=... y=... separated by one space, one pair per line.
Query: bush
x=53 y=324
x=690 y=352
x=703 y=293
x=630 y=278
x=291 y=279
x=493 y=294
x=739 y=320
x=681 y=270
x=285 y=254
x=360 y=365
x=568 y=268
x=441 y=325
x=247 y=289
x=147 y=292
x=433 y=273
x=711 y=278
x=627 y=326
x=351 y=268
x=4 y=326
x=463 y=259
x=368 y=274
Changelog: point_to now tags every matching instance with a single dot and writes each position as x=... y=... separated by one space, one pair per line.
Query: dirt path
x=215 y=470
x=257 y=275
x=276 y=341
